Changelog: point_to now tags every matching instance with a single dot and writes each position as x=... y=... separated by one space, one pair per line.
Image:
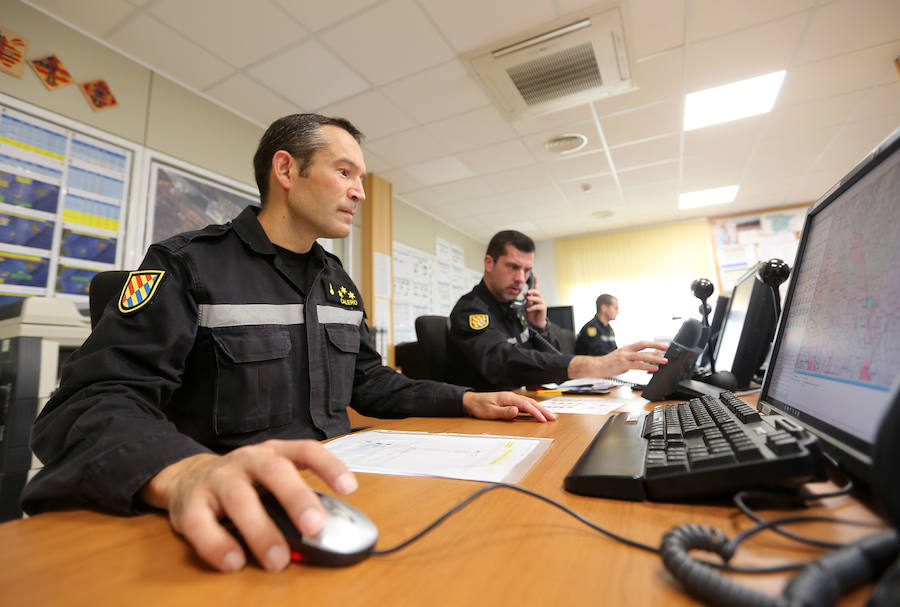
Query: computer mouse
x=348 y=537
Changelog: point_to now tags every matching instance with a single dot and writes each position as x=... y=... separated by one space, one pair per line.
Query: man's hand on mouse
x=504 y=405
x=200 y=490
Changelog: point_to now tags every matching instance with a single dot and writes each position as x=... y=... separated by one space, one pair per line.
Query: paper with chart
x=476 y=457
x=589 y=405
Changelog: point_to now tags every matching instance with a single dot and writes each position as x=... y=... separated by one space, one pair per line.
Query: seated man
x=498 y=340
x=596 y=337
x=228 y=345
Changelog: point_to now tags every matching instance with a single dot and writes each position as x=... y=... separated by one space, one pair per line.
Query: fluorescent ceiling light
x=705 y=198
x=733 y=101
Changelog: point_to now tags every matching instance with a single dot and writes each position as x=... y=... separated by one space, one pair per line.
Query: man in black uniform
x=596 y=337
x=228 y=345
x=499 y=335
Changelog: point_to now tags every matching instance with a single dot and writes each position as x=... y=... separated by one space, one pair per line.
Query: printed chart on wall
x=182 y=201
x=63 y=198
x=427 y=284
x=743 y=240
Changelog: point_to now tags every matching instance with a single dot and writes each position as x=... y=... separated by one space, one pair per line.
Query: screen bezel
x=853 y=454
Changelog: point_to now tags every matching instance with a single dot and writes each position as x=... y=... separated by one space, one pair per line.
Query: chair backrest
x=432 y=333
x=565 y=337
x=104 y=287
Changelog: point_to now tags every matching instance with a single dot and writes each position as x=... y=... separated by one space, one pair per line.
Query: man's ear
x=282 y=162
x=488 y=263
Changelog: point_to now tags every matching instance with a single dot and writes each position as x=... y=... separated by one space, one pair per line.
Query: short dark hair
x=300 y=135
x=497 y=245
x=604 y=300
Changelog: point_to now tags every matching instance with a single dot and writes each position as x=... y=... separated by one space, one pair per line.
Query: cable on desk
x=482 y=491
x=797 y=499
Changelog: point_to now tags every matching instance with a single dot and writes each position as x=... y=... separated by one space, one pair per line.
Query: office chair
x=433 y=333
x=104 y=288
x=565 y=337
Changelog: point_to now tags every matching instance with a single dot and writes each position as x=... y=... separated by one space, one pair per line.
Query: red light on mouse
x=296 y=556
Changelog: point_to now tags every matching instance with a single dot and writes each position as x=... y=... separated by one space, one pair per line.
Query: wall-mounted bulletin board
x=184 y=197
x=64 y=191
x=742 y=240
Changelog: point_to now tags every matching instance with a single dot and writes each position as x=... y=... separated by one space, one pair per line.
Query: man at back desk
x=499 y=334
x=226 y=347
x=596 y=336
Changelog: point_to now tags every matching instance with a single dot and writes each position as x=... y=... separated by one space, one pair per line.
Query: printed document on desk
x=589 y=405
x=476 y=457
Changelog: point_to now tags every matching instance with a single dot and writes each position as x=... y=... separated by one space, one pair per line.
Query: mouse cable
x=709 y=535
x=491 y=487
x=796 y=499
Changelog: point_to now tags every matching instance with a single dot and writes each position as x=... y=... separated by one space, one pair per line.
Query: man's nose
x=357 y=192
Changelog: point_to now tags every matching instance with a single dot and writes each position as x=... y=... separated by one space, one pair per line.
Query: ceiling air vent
x=570 y=65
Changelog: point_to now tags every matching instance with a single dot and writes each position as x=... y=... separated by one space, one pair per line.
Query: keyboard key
x=712 y=460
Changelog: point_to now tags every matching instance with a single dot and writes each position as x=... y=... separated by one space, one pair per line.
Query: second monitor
x=748 y=328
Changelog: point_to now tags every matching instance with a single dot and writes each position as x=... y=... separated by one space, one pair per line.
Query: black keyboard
x=703 y=448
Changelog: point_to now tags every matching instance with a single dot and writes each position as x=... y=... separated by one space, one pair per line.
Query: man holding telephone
x=499 y=334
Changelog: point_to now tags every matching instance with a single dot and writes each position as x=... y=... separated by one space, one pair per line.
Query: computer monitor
x=563 y=316
x=837 y=351
x=715 y=326
x=747 y=329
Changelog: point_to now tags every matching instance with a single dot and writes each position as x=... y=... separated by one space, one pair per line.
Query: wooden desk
x=504 y=549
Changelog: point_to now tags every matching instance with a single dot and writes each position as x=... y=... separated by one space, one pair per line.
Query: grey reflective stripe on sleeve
x=237 y=315
x=332 y=314
x=511 y=340
x=524 y=335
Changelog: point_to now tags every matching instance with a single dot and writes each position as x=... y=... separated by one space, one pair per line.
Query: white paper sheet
x=476 y=457
x=588 y=405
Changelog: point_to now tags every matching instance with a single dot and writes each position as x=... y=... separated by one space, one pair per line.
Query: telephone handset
x=520 y=300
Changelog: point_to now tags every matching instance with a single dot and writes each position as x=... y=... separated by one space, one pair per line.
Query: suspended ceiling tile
x=745 y=54
x=471 y=24
x=657 y=26
x=319 y=15
x=646 y=152
x=660 y=119
x=252 y=100
x=393 y=40
x=498 y=157
x=471 y=130
x=97 y=17
x=849 y=25
x=437 y=92
x=372 y=113
x=236 y=31
x=440 y=170
x=712 y=18
x=308 y=75
x=157 y=45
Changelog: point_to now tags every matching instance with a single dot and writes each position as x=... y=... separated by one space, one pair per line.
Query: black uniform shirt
x=229 y=350
x=493 y=346
x=595 y=338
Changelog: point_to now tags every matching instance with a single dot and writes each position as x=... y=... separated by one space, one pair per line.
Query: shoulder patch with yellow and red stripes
x=139 y=289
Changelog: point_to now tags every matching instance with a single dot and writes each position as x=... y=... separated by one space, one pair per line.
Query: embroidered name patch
x=139 y=289
x=478 y=321
x=592 y=331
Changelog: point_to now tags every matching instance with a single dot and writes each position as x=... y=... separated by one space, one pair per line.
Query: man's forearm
x=588 y=366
